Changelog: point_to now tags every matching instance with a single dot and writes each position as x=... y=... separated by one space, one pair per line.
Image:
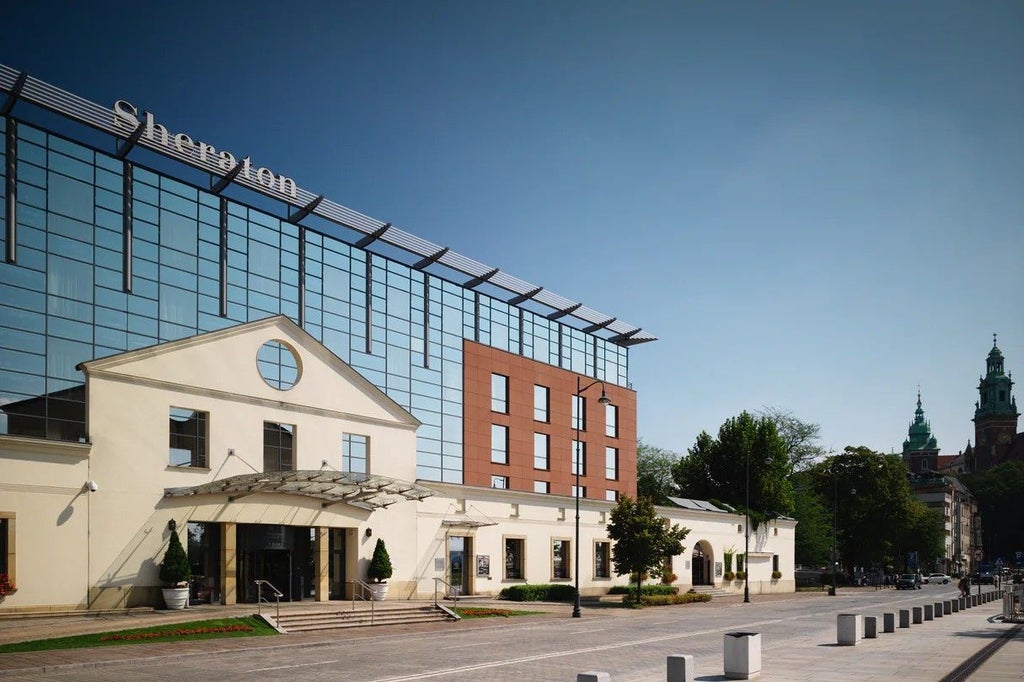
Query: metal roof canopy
x=367 y=491
x=20 y=86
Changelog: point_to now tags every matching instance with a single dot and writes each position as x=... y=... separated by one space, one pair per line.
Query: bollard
x=965 y=603
x=680 y=668
x=742 y=655
x=947 y=607
x=954 y=604
x=849 y=629
x=593 y=677
x=888 y=622
x=916 y=614
x=904 y=618
x=938 y=609
x=928 y=611
x=870 y=627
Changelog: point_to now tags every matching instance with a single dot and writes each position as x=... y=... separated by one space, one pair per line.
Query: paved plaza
x=798 y=643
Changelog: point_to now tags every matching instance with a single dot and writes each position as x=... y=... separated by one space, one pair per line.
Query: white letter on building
x=265 y=177
x=204 y=148
x=183 y=143
x=152 y=126
x=124 y=114
x=286 y=186
x=227 y=161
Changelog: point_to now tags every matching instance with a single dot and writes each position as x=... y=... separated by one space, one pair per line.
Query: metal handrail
x=259 y=596
x=451 y=590
x=363 y=588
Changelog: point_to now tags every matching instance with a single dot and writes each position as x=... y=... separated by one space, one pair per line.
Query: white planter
x=378 y=591
x=175 y=597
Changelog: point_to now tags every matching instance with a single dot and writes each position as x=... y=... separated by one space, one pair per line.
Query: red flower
x=6 y=586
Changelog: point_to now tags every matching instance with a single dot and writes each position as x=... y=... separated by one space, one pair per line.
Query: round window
x=278 y=365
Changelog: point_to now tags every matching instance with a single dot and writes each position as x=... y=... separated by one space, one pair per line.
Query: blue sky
x=815 y=206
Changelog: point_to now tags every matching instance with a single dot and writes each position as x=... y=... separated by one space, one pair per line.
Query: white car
x=940 y=578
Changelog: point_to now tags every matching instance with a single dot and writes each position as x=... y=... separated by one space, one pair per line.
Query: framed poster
x=483 y=565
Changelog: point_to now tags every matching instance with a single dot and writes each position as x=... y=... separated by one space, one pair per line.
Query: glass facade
x=111 y=256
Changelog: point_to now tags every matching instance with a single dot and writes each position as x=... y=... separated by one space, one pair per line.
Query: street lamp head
x=604 y=399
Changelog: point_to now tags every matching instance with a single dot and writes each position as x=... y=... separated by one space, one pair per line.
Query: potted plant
x=776 y=575
x=379 y=571
x=175 y=572
x=6 y=586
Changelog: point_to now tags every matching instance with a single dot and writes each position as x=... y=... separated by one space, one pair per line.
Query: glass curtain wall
x=113 y=257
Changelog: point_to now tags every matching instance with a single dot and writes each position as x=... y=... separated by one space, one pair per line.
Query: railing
x=453 y=591
x=259 y=596
x=358 y=586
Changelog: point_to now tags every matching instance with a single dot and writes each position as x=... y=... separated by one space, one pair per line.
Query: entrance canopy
x=360 y=490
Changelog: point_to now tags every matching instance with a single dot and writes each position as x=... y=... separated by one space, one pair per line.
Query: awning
x=367 y=491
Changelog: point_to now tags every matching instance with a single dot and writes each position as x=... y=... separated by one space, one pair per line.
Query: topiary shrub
x=175 y=571
x=776 y=575
x=380 y=565
x=666 y=599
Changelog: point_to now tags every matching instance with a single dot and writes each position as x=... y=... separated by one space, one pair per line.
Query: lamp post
x=746 y=538
x=578 y=465
x=835 y=533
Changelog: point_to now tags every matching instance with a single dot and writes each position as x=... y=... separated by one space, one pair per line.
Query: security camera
x=93 y=486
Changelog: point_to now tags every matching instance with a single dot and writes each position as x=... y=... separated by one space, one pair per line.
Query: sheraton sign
x=126 y=116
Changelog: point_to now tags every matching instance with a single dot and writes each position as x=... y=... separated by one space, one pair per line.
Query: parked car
x=984 y=578
x=940 y=578
x=907 y=581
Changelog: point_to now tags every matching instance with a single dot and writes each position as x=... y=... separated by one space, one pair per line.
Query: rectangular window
x=775 y=563
x=542 y=487
x=499 y=393
x=7 y=546
x=579 y=413
x=541 y=403
x=188 y=436
x=560 y=559
x=499 y=444
x=582 y=491
x=739 y=562
x=541 y=451
x=278 y=447
x=355 y=453
x=611 y=421
x=579 y=458
x=611 y=464
x=611 y=495
x=500 y=482
x=515 y=551
x=602 y=559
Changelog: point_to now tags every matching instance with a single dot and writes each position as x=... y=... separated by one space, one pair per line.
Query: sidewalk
x=929 y=651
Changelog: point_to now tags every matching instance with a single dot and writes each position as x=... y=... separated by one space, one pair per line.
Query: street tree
x=871 y=505
x=642 y=540
x=999 y=491
x=715 y=469
x=801 y=438
x=654 y=472
x=813 y=540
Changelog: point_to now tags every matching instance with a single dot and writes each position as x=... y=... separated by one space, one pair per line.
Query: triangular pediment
x=235 y=363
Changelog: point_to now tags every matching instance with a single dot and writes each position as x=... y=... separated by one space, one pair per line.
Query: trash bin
x=742 y=655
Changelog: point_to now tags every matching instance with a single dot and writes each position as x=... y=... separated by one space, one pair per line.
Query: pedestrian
x=965 y=586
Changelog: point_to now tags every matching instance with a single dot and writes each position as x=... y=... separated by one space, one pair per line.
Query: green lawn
x=177 y=632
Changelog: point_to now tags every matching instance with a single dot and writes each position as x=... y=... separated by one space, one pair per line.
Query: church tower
x=995 y=413
x=920 y=449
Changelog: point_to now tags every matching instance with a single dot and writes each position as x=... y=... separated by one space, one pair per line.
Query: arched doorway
x=701 y=573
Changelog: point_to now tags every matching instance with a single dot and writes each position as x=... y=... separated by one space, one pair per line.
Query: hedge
x=652 y=589
x=529 y=592
x=667 y=599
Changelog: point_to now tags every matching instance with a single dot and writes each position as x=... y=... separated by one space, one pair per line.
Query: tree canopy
x=642 y=540
x=716 y=468
x=654 y=472
x=999 y=492
x=800 y=437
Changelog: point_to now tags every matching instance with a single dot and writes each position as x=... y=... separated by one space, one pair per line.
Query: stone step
x=331 y=620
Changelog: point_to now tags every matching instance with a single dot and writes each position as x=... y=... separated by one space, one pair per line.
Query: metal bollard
x=904 y=618
x=593 y=677
x=928 y=611
x=888 y=622
x=938 y=609
x=916 y=615
x=870 y=627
